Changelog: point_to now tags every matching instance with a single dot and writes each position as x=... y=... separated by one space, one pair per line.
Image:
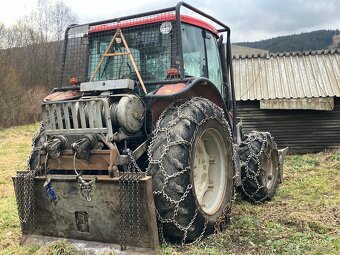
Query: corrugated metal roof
x=288 y=75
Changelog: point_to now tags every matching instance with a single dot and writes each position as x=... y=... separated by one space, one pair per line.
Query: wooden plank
x=116 y=54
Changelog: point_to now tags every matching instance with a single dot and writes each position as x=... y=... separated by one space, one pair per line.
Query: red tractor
x=144 y=141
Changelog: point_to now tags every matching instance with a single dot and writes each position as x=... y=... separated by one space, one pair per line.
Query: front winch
x=83 y=146
x=128 y=114
x=54 y=146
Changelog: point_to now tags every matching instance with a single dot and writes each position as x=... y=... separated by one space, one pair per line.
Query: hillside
x=315 y=40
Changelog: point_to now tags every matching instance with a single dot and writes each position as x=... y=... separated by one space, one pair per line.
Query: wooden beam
x=116 y=54
x=133 y=63
x=103 y=56
x=127 y=53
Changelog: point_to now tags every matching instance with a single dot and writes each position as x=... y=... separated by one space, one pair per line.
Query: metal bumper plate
x=97 y=220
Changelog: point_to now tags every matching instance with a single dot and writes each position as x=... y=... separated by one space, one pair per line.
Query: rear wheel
x=190 y=160
x=260 y=167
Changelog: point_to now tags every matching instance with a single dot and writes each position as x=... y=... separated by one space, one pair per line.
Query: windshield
x=149 y=45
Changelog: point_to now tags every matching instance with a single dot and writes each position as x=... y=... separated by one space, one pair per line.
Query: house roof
x=306 y=74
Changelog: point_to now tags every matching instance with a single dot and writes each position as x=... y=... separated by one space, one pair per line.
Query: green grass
x=303 y=218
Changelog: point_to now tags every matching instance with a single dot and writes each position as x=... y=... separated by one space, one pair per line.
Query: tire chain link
x=25 y=198
x=34 y=147
x=255 y=155
x=24 y=189
x=218 y=115
x=129 y=202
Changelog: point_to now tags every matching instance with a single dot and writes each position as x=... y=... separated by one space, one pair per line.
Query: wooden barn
x=294 y=95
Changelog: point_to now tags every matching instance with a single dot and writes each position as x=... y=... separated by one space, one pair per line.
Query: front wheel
x=191 y=162
x=259 y=167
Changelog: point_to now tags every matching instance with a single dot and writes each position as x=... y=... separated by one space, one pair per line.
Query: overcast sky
x=249 y=20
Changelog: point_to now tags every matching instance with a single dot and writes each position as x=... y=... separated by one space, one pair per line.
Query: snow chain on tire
x=257 y=147
x=178 y=126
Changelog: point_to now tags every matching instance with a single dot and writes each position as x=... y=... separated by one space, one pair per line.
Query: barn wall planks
x=302 y=130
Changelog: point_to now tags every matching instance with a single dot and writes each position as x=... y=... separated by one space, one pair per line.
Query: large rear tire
x=259 y=167
x=191 y=162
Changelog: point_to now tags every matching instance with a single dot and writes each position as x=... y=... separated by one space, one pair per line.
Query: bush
x=18 y=104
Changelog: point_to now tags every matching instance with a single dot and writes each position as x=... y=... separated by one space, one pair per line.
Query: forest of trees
x=315 y=40
x=29 y=61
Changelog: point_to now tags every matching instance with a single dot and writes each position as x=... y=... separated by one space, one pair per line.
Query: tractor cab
x=153 y=46
x=156 y=50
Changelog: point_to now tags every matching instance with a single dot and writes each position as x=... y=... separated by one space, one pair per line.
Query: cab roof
x=153 y=19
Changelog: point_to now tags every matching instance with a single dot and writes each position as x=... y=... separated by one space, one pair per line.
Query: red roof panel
x=153 y=19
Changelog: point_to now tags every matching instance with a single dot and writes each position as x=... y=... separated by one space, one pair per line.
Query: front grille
x=82 y=116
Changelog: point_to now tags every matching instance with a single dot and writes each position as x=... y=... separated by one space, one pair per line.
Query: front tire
x=259 y=167
x=191 y=162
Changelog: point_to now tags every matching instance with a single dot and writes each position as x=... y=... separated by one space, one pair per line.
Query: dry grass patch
x=303 y=218
x=58 y=248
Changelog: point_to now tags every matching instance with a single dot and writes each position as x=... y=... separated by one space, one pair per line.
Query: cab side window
x=200 y=55
x=193 y=51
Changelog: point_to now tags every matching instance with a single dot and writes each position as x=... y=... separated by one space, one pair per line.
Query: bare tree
x=50 y=20
x=2 y=35
x=62 y=17
x=30 y=53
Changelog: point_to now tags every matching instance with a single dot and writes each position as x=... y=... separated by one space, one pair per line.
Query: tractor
x=140 y=142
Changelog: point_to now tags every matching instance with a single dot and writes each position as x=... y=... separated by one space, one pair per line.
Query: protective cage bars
x=153 y=52
x=85 y=44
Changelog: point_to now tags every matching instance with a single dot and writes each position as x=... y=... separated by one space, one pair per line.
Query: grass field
x=304 y=217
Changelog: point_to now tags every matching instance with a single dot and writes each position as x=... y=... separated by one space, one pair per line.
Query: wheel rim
x=269 y=169
x=209 y=175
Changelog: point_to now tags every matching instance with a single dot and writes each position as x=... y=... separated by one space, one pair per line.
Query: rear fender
x=200 y=87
